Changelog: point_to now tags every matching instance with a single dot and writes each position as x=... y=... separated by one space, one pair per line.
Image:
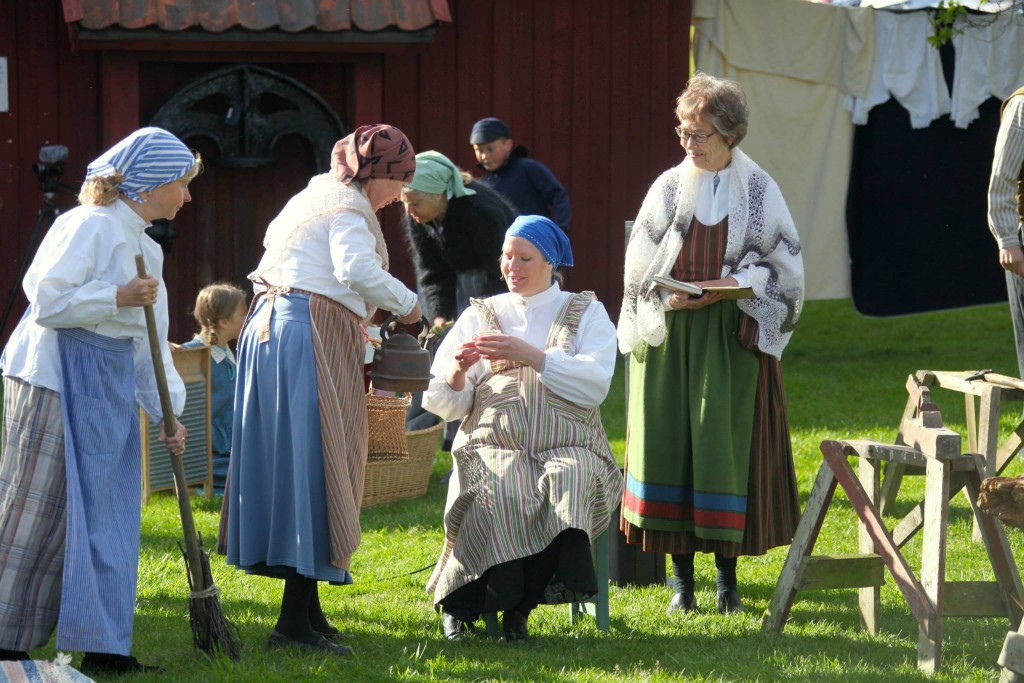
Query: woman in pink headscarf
x=300 y=430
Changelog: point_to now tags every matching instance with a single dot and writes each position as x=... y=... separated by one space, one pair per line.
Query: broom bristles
x=211 y=631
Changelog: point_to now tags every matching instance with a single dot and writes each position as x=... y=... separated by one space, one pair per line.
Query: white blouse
x=338 y=259
x=582 y=376
x=88 y=253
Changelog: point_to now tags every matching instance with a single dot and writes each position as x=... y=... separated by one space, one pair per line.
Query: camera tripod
x=48 y=171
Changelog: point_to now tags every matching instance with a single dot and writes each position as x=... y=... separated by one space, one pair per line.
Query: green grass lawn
x=845 y=377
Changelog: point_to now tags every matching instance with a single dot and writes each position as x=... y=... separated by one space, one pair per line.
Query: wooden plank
x=912 y=522
x=825 y=572
x=933 y=563
x=935 y=442
x=921 y=396
x=894 y=471
x=973 y=599
x=538 y=135
x=437 y=125
x=873 y=450
x=869 y=597
x=807 y=530
x=988 y=427
x=971 y=415
x=909 y=525
x=119 y=96
x=904 y=577
x=367 y=99
x=987 y=438
x=999 y=552
x=1009 y=448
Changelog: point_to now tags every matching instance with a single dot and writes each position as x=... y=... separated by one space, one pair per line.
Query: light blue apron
x=101 y=436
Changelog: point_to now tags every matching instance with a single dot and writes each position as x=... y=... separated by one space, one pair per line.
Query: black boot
x=455 y=628
x=106 y=664
x=513 y=623
x=12 y=655
x=684 y=599
x=728 y=593
x=318 y=620
x=293 y=627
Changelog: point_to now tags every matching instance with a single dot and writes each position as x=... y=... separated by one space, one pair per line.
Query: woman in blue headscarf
x=534 y=478
x=74 y=369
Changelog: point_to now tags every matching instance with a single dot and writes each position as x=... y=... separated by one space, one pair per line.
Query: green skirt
x=691 y=411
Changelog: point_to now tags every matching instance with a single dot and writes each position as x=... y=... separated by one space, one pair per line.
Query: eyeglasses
x=699 y=138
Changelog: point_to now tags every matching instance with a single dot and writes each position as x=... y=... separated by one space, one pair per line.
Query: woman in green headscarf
x=455 y=226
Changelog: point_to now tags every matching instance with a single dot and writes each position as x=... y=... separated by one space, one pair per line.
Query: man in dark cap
x=531 y=187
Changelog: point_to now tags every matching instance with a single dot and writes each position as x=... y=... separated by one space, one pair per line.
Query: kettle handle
x=387 y=324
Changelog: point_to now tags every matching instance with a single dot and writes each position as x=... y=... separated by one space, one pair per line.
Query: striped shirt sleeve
x=1003 y=220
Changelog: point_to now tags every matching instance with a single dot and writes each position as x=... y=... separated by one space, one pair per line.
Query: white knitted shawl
x=762 y=243
x=318 y=202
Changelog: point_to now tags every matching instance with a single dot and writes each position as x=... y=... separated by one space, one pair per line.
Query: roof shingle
x=291 y=16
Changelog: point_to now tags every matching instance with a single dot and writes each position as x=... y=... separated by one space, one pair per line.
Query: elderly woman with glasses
x=709 y=464
x=535 y=478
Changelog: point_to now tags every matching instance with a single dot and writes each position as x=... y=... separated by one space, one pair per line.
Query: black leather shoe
x=109 y=664
x=682 y=602
x=513 y=623
x=454 y=628
x=12 y=655
x=729 y=601
x=321 y=644
x=335 y=635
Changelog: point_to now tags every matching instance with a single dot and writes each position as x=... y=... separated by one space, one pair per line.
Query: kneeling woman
x=535 y=478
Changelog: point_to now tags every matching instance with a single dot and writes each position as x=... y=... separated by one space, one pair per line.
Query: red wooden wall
x=587 y=85
x=52 y=100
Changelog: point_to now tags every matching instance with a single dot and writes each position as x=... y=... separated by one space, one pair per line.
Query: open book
x=694 y=290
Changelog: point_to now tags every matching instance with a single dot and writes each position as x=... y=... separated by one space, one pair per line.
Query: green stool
x=597 y=608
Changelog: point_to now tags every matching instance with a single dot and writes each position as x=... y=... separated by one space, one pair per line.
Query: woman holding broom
x=74 y=369
x=299 y=439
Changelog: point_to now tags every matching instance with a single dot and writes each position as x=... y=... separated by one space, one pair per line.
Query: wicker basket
x=391 y=480
x=385 y=417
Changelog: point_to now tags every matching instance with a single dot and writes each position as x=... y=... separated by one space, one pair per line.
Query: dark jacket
x=532 y=188
x=469 y=239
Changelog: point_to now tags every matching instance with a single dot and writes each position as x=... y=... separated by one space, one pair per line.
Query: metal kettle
x=399 y=364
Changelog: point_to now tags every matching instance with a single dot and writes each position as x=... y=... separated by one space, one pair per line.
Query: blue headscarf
x=148 y=158
x=546 y=236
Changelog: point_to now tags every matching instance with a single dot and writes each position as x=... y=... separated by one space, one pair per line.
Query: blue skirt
x=277 y=520
x=104 y=492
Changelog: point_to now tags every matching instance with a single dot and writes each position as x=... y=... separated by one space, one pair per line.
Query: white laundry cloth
x=906 y=67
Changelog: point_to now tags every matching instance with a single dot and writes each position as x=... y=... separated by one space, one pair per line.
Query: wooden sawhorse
x=983 y=405
x=930 y=597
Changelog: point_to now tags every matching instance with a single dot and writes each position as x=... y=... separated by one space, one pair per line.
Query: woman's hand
x=413 y=316
x=466 y=356
x=683 y=301
x=1012 y=259
x=175 y=444
x=138 y=292
x=506 y=347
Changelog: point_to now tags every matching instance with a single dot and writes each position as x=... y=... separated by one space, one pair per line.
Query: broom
x=210 y=629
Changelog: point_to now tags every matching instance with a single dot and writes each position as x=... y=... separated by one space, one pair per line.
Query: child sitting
x=220 y=311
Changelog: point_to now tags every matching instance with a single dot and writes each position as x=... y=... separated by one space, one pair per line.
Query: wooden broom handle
x=170 y=423
x=188 y=525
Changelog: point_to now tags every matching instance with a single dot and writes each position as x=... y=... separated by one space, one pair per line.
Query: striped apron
x=101 y=436
x=300 y=397
x=534 y=465
x=33 y=515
